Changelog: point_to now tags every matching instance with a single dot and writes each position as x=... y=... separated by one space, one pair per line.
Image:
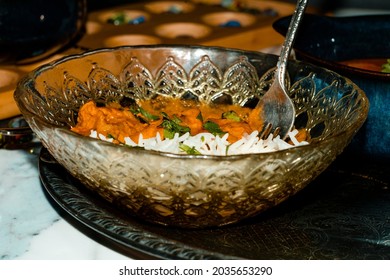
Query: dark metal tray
x=343 y=214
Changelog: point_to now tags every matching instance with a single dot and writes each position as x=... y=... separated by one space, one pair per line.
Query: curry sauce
x=166 y=116
x=149 y=117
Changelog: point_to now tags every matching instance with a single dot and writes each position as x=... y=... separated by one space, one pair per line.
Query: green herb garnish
x=172 y=126
x=200 y=117
x=189 y=150
x=143 y=115
x=231 y=115
x=213 y=128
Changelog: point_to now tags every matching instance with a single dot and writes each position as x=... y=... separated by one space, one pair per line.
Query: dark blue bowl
x=326 y=41
x=32 y=30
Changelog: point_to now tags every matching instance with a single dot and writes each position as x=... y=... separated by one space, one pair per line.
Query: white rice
x=208 y=144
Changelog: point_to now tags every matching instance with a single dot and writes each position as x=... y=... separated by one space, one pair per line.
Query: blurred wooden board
x=10 y=76
x=188 y=22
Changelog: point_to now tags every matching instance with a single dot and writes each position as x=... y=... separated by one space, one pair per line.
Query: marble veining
x=30 y=228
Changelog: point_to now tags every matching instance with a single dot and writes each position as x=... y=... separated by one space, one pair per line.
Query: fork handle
x=289 y=41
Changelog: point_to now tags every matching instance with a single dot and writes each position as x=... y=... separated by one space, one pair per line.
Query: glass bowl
x=188 y=191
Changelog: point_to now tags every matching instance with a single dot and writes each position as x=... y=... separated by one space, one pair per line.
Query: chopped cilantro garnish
x=189 y=150
x=172 y=126
x=231 y=115
x=143 y=114
x=199 y=117
x=213 y=128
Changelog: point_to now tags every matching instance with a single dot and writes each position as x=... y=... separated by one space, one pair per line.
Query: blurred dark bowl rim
x=333 y=64
x=8 y=129
x=339 y=67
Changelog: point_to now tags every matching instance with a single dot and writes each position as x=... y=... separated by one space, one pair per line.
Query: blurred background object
x=32 y=30
x=350 y=7
x=323 y=5
x=356 y=47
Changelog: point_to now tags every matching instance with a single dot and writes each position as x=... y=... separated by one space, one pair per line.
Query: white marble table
x=30 y=226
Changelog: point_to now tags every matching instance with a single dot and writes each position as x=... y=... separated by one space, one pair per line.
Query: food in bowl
x=188 y=190
x=181 y=126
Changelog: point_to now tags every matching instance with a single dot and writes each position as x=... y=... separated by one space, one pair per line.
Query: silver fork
x=276 y=108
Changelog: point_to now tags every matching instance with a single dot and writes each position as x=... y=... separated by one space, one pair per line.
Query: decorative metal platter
x=343 y=214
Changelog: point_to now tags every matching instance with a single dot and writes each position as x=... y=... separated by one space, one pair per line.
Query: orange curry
x=166 y=116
